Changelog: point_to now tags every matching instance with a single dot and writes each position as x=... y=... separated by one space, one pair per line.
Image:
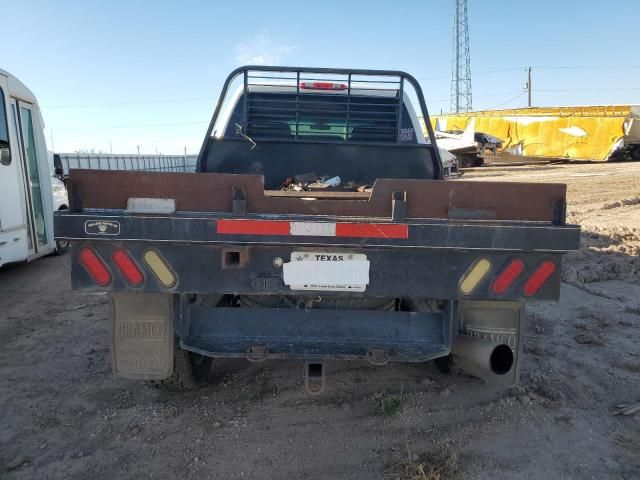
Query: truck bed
x=226 y=232
x=423 y=199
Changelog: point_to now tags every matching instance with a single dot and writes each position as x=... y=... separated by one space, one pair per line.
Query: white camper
x=26 y=201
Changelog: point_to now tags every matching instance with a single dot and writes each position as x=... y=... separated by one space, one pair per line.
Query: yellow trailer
x=596 y=133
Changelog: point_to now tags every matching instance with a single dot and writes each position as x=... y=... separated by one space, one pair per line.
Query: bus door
x=22 y=116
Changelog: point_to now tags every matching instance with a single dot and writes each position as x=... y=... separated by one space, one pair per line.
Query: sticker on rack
x=102 y=227
x=327 y=271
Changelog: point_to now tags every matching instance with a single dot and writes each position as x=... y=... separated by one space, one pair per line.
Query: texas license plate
x=327 y=271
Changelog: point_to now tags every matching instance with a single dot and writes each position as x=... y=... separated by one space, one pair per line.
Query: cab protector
x=142 y=335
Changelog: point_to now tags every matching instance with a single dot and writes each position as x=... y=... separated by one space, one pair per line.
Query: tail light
x=128 y=268
x=506 y=278
x=323 y=86
x=538 y=278
x=475 y=275
x=95 y=266
x=160 y=268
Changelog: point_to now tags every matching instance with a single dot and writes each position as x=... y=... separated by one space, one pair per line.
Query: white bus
x=26 y=197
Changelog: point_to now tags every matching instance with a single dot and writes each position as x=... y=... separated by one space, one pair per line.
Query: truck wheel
x=443 y=364
x=190 y=371
x=62 y=246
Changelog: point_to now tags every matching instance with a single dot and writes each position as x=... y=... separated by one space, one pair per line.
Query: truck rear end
x=262 y=254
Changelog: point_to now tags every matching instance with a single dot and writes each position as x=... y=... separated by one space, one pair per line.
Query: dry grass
x=388 y=405
x=431 y=466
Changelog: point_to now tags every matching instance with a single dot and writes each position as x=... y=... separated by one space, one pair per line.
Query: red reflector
x=372 y=230
x=253 y=227
x=323 y=86
x=509 y=275
x=95 y=266
x=539 y=277
x=322 y=229
x=128 y=268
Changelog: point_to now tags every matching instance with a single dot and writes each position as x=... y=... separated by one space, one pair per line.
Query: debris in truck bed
x=323 y=184
x=308 y=177
x=312 y=182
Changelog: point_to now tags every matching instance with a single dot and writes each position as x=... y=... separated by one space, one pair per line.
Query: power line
x=134 y=126
x=507 y=102
x=503 y=94
x=143 y=102
x=544 y=67
x=612 y=89
x=587 y=67
x=487 y=72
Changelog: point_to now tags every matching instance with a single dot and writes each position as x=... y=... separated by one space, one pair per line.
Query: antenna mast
x=461 y=71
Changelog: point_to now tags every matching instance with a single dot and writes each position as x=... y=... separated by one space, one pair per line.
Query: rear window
x=322 y=117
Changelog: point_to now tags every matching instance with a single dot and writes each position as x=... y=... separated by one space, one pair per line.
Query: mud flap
x=142 y=335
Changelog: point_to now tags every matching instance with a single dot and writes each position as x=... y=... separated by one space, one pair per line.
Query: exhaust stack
x=494 y=362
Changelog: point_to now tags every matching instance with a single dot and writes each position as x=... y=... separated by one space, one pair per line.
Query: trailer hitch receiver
x=314 y=380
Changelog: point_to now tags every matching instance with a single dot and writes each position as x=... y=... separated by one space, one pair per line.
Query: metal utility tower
x=461 y=71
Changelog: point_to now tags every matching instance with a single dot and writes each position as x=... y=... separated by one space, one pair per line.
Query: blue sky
x=120 y=74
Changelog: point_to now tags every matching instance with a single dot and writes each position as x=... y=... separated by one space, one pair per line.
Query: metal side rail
x=193 y=227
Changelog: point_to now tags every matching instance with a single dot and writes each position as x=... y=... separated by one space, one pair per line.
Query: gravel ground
x=64 y=415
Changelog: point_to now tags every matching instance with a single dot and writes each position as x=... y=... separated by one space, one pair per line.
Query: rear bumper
x=472 y=331
x=277 y=333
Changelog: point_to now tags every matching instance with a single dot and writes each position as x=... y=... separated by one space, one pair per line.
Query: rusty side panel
x=213 y=192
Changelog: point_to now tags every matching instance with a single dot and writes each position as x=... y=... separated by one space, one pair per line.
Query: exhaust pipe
x=486 y=360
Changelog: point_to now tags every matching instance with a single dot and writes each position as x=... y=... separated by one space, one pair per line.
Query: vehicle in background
x=26 y=192
x=469 y=146
x=318 y=226
x=58 y=178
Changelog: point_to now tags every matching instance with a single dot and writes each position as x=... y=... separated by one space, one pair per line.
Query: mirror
x=57 y=165
x=5 y=153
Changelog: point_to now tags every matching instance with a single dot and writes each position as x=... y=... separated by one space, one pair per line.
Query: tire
x=62 y=247
x=190 y=371
x=443 y=364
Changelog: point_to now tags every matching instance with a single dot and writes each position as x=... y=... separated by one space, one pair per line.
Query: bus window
x=5 y=152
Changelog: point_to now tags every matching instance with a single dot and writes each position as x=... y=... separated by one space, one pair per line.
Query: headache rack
x=323 y=105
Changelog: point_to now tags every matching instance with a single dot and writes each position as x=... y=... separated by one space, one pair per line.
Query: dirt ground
x=64 y=415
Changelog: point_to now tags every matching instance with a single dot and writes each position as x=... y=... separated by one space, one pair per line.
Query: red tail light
x=323 y=86
x=128 y=268
x=95 y=266
x=509 y=275
x=539 y=277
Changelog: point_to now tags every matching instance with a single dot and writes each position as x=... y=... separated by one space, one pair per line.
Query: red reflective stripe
x=372 y=230
x=254 y=227
x=508 y=276
x=281 y=227
x=95 y=266
x=127 y=268
x=539 y=278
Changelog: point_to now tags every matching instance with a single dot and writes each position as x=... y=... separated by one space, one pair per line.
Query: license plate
x=327 y=271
